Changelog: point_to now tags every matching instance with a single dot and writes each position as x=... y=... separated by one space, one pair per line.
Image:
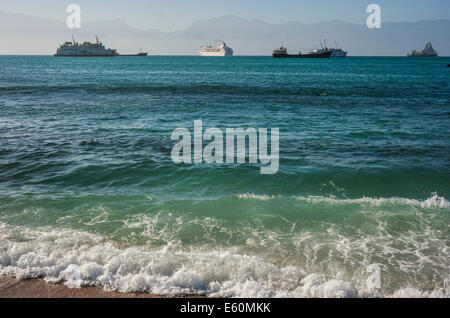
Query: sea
x=359 y=207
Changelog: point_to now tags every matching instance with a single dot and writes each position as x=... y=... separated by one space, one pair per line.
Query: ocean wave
x=435 y=201
x=81 y=259
x=223 y=89
x=255 y=196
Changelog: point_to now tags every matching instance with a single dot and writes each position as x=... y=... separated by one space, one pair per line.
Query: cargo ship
x=87 y=49
x=282 y=53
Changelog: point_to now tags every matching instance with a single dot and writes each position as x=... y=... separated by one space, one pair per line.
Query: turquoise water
x=89 y=194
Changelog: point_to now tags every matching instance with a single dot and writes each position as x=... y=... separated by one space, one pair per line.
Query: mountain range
x=23 y=34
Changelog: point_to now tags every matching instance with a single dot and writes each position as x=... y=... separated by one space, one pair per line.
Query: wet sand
x=11 y=287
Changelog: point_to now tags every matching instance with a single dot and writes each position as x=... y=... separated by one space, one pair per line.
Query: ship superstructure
x=87 y=49
x=221 y=50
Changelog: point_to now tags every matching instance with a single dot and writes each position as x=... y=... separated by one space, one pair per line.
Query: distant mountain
x=22 y=34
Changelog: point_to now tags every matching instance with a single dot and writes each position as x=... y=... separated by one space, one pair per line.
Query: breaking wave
x=435 y=201
x=82 y=259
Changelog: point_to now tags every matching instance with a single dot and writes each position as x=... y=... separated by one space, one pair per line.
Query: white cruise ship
x=221 y=50
x=87 y=49
x=336 y=52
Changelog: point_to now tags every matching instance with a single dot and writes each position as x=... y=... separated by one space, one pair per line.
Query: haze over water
x=89 y=194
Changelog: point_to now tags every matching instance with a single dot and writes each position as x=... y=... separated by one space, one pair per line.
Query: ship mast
x=73 y=39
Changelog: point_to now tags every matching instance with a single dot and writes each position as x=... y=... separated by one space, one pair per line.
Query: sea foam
x=435 y=201
x=82 y=259
x=256 y=196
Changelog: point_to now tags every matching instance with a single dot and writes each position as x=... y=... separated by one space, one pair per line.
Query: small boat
x=139 y=54
x=282 y=53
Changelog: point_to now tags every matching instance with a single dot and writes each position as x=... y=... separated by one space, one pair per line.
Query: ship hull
x=215 y=54
x=325 y=55
x=138 y=55
x=77 y=55
x=339 y=54
x=410 y=55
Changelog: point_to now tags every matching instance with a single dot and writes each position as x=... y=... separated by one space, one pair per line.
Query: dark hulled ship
x=282 y=53
x=428 y=51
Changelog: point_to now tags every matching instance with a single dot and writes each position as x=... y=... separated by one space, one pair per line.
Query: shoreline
x=11 y=287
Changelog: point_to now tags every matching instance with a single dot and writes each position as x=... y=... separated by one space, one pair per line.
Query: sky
x=174 y=15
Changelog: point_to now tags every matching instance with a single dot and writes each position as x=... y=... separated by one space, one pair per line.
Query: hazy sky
x=174 y=15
